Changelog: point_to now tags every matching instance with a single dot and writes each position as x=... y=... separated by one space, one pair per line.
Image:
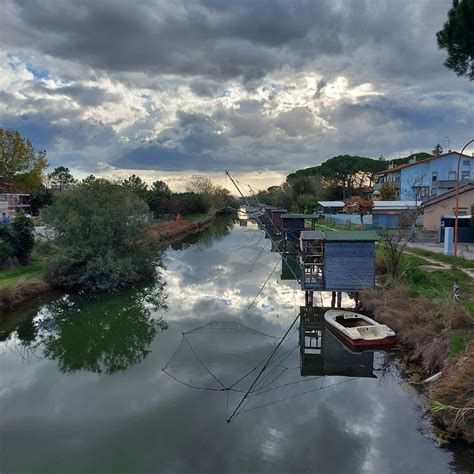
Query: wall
x=446 y=207
x=349 y=265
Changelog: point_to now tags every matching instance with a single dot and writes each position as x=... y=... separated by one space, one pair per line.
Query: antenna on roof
x=438 y=150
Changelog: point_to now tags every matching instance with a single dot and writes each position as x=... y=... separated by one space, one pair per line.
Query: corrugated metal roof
x=331 y=203
x=300 y=216
x=395 y=205
x=351 y=236
x=312 y=235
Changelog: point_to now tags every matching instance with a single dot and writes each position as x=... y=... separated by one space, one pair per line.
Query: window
x=466 y=174
x=452 y=176
x=461 y=212
x=466 y=162
x=434 y=176
x=433 y=191
x=422 y=192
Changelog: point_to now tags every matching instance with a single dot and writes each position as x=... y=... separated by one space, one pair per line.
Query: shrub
x=23 y=238
x=100 y=238
x=17 y=241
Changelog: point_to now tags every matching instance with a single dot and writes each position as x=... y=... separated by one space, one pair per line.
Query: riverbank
x=24 y=283
x=176 y=230
x=435 y=337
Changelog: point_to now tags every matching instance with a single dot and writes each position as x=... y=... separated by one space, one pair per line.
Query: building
x=11 y=200
x=384 y=213
x=445 y=205
x=420 y=180
x=395 y=213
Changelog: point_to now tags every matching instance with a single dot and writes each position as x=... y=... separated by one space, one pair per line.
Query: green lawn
x=22 y=273
x=457 y=261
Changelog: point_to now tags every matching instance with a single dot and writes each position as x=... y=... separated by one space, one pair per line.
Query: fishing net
x=251 y=368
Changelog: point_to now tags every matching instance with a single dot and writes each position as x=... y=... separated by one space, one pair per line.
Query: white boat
x=357 y=329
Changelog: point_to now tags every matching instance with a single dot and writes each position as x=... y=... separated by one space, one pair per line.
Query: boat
x=357 y=329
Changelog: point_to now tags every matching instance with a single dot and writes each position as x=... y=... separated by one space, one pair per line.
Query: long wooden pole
x=456 y=223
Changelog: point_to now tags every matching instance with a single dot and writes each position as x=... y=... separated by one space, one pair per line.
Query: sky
x=167 y=89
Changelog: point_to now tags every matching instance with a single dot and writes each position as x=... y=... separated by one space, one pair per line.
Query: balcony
x=451 y=183
x=395 y=184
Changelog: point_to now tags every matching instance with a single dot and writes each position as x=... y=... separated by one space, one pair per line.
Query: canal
x=145 y=380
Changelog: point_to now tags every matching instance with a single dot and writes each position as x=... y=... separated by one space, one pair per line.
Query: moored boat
x=357 y=329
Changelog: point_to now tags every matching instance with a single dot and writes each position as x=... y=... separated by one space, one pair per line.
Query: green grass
x=457 y=344
x=457 y=261
x=23 y=273
x=437 y=284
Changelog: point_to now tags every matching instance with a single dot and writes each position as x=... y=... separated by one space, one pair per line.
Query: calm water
x=82 y=385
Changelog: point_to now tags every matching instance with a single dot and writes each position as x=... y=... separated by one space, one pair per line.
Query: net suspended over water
x=249 y=366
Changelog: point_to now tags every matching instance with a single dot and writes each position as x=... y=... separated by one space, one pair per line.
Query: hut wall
x=277 y=220
x=349 y=265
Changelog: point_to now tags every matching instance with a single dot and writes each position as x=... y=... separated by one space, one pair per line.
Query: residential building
x=11 y=200
x=445 y=205
x=421 y=180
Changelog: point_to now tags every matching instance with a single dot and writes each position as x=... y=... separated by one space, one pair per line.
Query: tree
x=18 y=240
x=39 y=198
x=61 y=176
x=457 y=37
x=157 y=197
x=100 y=238
x=135 y=184
x=18 y=160
x=359 y=205
x=388 y=192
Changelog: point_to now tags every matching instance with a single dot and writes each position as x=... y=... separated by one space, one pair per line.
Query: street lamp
x=457 y=201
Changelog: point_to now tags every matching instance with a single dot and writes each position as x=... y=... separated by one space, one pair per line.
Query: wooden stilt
x=339 y=298
x=333 y=299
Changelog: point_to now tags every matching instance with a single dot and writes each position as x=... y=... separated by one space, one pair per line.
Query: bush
x=16 y=241
x=6 y=254
x=23 y=238
x=100 y=238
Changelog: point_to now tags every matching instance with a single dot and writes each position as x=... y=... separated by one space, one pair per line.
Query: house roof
x=407 y=165
x=449 y=194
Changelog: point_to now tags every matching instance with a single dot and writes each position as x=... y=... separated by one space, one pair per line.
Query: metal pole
x=457 y=201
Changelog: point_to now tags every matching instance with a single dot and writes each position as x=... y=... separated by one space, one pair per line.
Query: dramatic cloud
x=171 y=87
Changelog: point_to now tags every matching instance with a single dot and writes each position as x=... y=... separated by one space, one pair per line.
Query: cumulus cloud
x=210 y=85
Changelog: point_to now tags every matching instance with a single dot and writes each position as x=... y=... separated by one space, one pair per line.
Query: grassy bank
x=449 y=259
x=174 y=230
x=435 y=334
x=22 y=283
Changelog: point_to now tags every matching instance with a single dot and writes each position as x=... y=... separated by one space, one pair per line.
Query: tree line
x=341 y=178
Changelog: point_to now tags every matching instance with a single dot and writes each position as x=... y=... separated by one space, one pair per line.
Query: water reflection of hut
x=321 y=353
